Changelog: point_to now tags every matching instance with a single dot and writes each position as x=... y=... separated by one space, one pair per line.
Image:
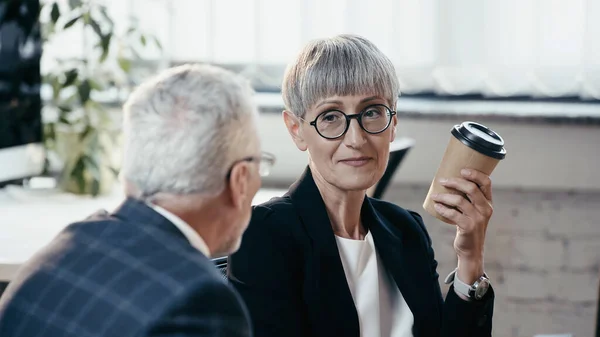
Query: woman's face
x=356 y=160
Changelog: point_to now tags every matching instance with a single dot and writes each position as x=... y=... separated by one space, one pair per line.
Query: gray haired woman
x=325 y=259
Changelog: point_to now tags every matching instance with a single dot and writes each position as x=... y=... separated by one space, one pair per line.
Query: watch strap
x=462 y=287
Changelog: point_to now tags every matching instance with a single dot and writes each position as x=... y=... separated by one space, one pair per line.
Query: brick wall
x=542 y=255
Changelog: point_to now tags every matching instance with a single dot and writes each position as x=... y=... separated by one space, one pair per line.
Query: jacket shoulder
x=126 y=245
x=278 y=216
x=278 y=206
x=408 y=221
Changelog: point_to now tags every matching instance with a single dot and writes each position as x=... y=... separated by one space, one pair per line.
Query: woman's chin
x=356 y=183
x=348 y=178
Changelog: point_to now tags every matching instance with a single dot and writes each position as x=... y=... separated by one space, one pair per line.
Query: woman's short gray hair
x=185 y=128
x=338 y=66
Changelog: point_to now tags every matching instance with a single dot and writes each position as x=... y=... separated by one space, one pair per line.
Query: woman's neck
x=343 y=209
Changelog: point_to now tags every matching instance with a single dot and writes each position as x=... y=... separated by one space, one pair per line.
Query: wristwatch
x=474 y=291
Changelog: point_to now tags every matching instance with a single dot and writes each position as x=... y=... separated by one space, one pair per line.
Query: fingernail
x=437 y=207
x=434 y=196
x=443 y=180
x=465 y=172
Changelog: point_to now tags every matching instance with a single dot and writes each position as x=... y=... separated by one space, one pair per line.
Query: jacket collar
x=190 y=233
x=309 y=204
x=137 y=212
x=395 y=249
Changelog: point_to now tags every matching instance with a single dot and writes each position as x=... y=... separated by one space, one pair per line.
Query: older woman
x=326 y=260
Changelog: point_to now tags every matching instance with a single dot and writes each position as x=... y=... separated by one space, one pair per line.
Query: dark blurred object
x=598 y=313
x=20 y=82
x=398 y=149
x=221 y=265
x=3 y=285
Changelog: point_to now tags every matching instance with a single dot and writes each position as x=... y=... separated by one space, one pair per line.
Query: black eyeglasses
x=265 y=162
x=333 y=124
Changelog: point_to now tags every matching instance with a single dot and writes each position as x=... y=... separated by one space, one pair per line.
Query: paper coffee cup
x=471 y=146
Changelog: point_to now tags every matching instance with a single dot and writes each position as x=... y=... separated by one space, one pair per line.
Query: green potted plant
x=80 y=130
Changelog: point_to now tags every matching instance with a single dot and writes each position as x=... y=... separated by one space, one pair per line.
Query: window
x=494 y=48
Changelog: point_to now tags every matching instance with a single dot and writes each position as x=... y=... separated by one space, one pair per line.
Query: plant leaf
x=114 y=171
x=63 y=119
x=64 y=108
x=86 y=17
x=78 y=173
x=157 y=42
x=72 y=99
x=103 y=56
x=55 y=13
x=74 y=3
x=125 y=64
x=88 y=129
x=84 y=89
x=56 y=87
x=70 y=77
x=105 y=45
x=130 y=30
x=136 y=54
x=96 y=86
x=95 y=188
x=107 y=17
x=72 y=22
x=50 y=132
x=93 y=166
x=93 y=163
x=92 y=105
x=96 y=27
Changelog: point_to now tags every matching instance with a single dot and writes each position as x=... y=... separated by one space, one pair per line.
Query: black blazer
x=289 y=272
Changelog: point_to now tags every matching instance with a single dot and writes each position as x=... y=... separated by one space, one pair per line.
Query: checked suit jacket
x=129 y=273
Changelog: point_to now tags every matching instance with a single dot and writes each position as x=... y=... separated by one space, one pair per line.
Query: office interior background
x=528 y=69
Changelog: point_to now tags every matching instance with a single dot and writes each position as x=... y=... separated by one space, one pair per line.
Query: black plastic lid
x=480 y=138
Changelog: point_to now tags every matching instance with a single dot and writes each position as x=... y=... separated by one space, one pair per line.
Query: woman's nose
x=355 y=136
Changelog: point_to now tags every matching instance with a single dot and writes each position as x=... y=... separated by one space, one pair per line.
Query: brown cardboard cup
x=471 y=146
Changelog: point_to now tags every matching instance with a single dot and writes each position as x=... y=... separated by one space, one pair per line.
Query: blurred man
x=191 y=170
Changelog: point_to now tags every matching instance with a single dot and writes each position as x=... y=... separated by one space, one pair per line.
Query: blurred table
x=30 y=218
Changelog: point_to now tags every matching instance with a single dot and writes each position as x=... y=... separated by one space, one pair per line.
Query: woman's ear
x=293 y=125
x=393 y=126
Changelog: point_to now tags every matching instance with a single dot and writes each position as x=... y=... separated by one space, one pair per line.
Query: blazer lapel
x=326 y=287
x=402 y=255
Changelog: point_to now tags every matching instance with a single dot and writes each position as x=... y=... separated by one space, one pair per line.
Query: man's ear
x=293 y=125
x=239 y=181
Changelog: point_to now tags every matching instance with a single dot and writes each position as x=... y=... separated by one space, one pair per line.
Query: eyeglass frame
x=349 y=119
x=269 y=157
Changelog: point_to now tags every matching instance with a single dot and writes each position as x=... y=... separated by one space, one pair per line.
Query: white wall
x=540 y=155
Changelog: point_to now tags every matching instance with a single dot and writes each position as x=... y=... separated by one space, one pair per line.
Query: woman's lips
x=356 y=161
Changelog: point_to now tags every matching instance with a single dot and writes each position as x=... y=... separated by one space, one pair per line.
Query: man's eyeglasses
x=333 y=124
x=265 y=163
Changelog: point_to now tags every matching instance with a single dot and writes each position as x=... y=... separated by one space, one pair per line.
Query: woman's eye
x=372 y=113
x=331 y=117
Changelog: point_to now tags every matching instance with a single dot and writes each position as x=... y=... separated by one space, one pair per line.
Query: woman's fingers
x=454 y=201
x=474 y=194
x=480 y=179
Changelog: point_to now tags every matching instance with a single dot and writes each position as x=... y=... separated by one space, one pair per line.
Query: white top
x=382 y=310
x=191 y=235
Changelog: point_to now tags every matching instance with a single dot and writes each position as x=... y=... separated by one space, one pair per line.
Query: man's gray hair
x=185 y=128
x=338 y=66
